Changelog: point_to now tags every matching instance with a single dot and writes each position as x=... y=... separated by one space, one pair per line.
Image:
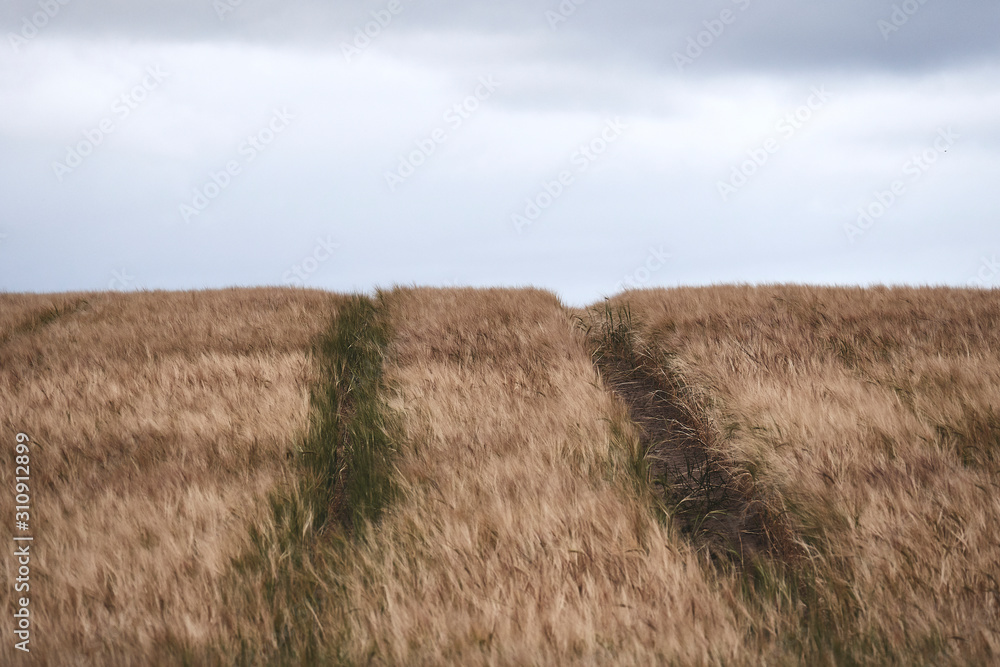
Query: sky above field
x=582 y=146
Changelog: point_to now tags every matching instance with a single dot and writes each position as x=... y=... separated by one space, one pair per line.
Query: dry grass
x=23 y=314
x=186 y=512
x=875 y=417
x=160 y=422
x=519 y=537
x=706 y=495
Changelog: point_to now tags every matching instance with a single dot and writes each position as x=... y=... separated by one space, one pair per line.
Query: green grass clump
x=611 y=334
x=349 y=451
x=344 y=470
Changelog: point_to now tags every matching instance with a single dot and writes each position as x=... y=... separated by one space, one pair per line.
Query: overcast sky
x=580 y=146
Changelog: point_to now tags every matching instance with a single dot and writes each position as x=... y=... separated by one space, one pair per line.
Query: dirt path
x=711 y=500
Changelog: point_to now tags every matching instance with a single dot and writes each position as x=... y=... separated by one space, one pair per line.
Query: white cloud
x=325 y=174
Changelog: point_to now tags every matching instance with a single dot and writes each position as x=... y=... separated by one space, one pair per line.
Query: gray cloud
x=689 y=129
x=761 y=34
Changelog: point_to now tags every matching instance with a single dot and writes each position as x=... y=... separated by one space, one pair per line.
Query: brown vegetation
x=520 y=537
x=706 y=495
x=159 y=421
x=854 y=436
x=874 y=417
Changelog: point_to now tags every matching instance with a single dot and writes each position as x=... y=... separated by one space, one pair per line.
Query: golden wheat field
x=726 y=475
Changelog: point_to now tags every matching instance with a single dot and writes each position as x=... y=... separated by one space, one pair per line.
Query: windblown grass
x=871 y=415
x=289 y=576
x=700 y=490
x=160 y=423
x=444 y=476
x=519 y=536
